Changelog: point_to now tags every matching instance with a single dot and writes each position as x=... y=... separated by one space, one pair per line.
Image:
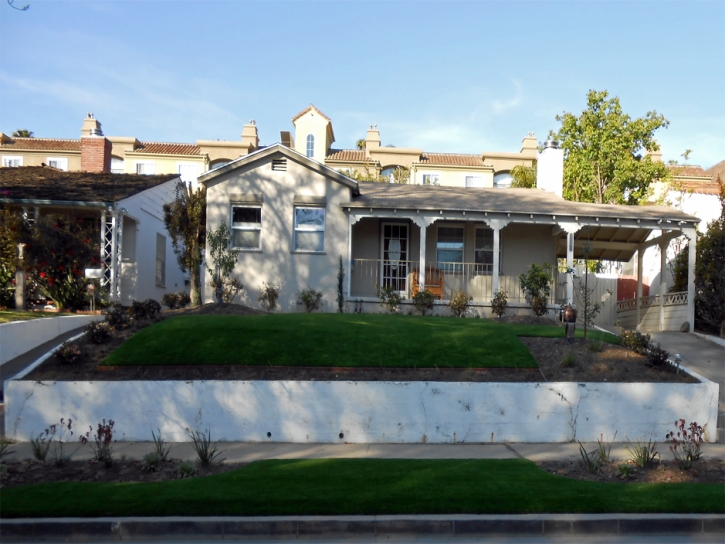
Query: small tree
x=185 y=219
x=536 y=286
x=524 y=177
x=222 y=257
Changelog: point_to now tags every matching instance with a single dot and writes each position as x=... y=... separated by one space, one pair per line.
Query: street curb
x=126 y=529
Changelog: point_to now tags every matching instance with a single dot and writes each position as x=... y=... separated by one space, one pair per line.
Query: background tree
x=223 y=259
x=524 y=176
x=10 y=230
x=23 y=133
x=605 y=150
x=360 y=143
x=185 y=219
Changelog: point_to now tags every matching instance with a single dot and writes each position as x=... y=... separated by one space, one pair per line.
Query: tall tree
x=185 y=219
x=524 y=176
x=606 y=152
x=23 y=133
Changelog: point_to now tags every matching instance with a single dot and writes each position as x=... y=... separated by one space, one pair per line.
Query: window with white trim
x=431 y=179
x=247 y=227
x=309 y=228
x=484 y=251
x=12 y=162
x=474 y=181
x=310 y=146
x=449 y=249
x=60 y=163
x=117 y=165
x=502 y=180
x=188 y=171
x=160 y=260
x=146 y=168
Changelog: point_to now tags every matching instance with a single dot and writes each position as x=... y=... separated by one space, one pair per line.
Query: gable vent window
x=279 y=164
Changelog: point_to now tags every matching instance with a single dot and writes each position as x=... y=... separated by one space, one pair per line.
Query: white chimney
x=550 y=168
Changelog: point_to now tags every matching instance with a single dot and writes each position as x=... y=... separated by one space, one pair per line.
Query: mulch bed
x=614 y=363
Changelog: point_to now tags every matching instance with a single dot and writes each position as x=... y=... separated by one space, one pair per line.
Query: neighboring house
x=125 y=155
x=137 y=258
x=293 y=217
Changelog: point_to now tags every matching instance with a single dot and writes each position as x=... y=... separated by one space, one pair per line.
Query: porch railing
x=670 y=299
x=474 y=278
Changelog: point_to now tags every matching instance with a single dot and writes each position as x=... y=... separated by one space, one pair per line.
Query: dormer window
x=310 y=146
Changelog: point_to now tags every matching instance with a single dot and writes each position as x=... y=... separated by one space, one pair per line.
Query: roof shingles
x=41 y=144
x=162 y=148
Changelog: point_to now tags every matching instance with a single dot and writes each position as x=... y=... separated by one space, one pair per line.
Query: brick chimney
x=95 y=148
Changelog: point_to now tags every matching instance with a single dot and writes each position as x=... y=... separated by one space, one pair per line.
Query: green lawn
x=361 y=486
x=357 y=340
x=6 y=316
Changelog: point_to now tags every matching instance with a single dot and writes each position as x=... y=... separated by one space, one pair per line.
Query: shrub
x=596 y=346
x=634 y=340
x=536 y=286
x=592 y=460
x=656 y=356
x=624 y=471
x=68 y=353
x=100 y=442
x=40 y=445
x=151 y=461
x=423 y=301
x=58 y=453
x=162 y=448
x=643 y=455
x=144 y=310
x=569 y=360
x=686 y=444
x=174 y=301
x=310 y=299
x=268 y=295
x=187 y=469
x=459 y=302
x=118 y=318
x=99 y=333
x=389 y=298
x=206 y=450
x=231 y=287
x=5 y=448
x=499 y=303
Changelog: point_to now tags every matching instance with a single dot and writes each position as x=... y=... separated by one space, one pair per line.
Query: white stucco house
x=136 y=258
x=292 y=219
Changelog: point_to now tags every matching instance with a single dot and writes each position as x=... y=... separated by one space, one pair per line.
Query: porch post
x=496 y=260
x=119 y=254
x=692 y=255
x=638 y=300
x=663 y=286
x=569 y=268
x=114 y=248
x=350 y=223
x=421 y=266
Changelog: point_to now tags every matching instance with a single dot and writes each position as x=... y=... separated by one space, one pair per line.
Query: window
x=484 y=251
x=474 y=181
x=219 y=163
x=247 y=227
x=309 y=229
x=188 y=172
x=116 y=165
x=13 y=162
x=450 y=249
x=310 y=146
x=160 y=260
x=502 y=180
x=145 y=168
x=431 y=179
x=61 y=163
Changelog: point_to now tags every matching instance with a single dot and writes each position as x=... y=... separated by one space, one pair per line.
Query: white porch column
x=571 y=228
x=692 y=256
x=350 y=222
x=114 y=248
x=496 y=226
x=638 y=301
x=663 y=285
x=118 y=256
x=421 y=267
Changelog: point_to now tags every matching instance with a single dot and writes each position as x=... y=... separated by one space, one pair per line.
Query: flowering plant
x=686 y=443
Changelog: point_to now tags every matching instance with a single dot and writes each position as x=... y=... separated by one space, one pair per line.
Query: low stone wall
x=365 y=412
x=19 y=337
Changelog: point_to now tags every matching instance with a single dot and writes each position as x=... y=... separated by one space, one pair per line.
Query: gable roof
x=40 y=144
x=27 y=183
x=310 y=108
x=265 y=153
x=348 y=155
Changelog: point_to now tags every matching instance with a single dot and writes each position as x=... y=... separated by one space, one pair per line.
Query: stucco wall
x=277 y=261
x=377 y=412
x=452 y=177
x=20 y=337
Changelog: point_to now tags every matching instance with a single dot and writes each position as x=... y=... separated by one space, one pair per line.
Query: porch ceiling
x=604 y=243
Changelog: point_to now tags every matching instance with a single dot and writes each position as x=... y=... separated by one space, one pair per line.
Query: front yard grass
x=7 y=316
x=362 y=486
x=333 y=340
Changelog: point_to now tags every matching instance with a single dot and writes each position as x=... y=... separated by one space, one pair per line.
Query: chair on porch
x=433 y=281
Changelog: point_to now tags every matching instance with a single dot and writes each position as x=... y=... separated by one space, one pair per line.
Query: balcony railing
x=474 y=278
x=670 y=299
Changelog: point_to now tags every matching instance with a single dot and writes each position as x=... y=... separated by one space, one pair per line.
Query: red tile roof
x=308 y=108
x=451 y=159
x=168 y=148
x=702 y=187
x=352 y=155
x=41 y=144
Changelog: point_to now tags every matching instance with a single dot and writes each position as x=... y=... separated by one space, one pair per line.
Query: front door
x=394 y=271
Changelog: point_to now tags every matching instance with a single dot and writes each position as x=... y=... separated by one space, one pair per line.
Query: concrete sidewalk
x=242 y=452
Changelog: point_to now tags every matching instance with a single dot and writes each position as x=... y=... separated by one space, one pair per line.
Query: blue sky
x=446 y=76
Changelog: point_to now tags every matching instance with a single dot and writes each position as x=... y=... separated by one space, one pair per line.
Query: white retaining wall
x=373 y=412
x=19 y=337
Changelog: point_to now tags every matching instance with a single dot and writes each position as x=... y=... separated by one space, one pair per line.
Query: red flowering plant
x=686 y=443
x=58 y=249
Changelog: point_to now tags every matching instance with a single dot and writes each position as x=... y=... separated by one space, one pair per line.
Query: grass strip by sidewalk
x=362 y=486
x=326 y=340
x=8 y=316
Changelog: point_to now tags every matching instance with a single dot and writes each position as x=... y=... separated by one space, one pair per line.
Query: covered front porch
x=481 y=240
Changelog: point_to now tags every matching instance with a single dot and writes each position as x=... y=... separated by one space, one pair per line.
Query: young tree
x=185 y=219
x=524 y=176
x=223 y=259
x=605 y=149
